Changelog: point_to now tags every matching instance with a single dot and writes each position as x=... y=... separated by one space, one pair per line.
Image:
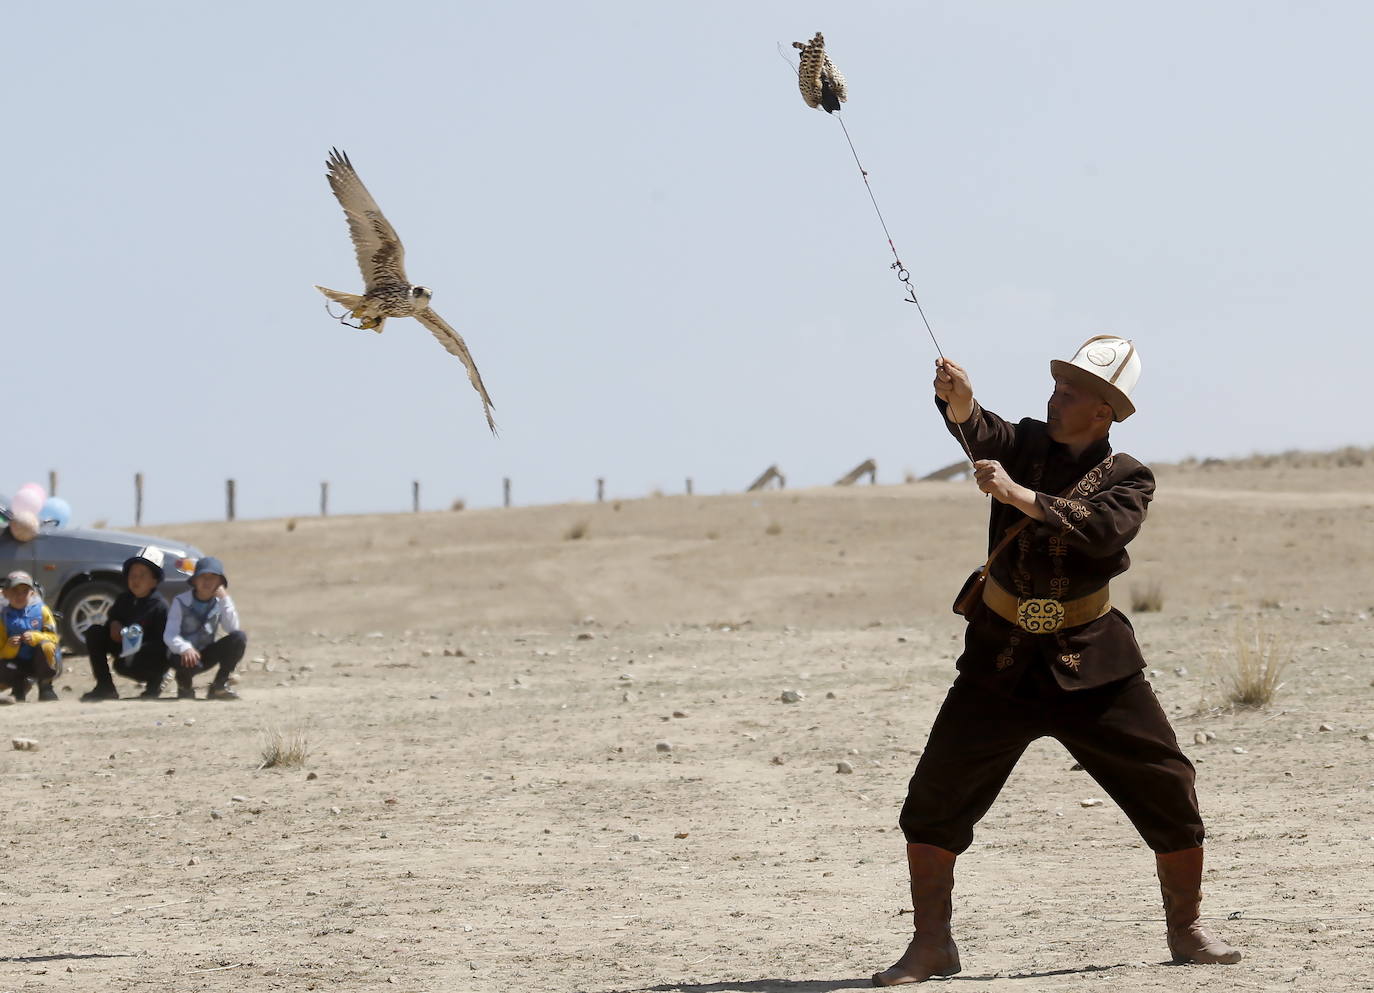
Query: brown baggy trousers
x=1117 y=732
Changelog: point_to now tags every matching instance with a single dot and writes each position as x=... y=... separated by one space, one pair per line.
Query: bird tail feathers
x=350 y=300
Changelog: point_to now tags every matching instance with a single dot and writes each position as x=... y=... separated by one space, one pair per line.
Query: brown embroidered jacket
x=1080 y=547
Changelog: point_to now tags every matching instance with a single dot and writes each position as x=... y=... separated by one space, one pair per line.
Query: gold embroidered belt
x=1045 y=615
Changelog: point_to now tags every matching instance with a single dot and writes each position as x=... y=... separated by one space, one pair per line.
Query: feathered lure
x=822 y=84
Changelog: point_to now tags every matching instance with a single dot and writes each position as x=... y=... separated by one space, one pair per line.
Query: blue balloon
x=57 y=510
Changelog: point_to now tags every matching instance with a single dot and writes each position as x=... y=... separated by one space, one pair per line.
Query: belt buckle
x=1039 y=615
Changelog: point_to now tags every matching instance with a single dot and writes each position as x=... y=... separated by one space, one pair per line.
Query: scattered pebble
x=679 y=713
x=312 y=775
x=830 y=695
x=792 y=696
x=190 y=722
x=239 y=799
x=24 y=744
x=1326 y=727
x=424 y=654
x=215 y=815
x=843 y=767
x=1200 y=738
x=778 y=760
x=1180 y=670
x=1211 y=736
x=1238 y=750
x=635 y=837
x=663 y=746
x=1090 y=803
x=335 y=810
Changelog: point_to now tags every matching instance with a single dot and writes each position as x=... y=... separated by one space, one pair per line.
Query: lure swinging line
x=823 y=86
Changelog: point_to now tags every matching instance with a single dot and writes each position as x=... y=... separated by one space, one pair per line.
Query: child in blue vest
x=30 y=647
x=193 y=622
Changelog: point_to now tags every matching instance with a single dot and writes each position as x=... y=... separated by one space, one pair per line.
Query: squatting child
x=30 y=651
x=133 y=632
x=192 y=623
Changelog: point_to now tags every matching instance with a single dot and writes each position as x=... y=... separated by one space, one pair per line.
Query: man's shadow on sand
x=830 y=985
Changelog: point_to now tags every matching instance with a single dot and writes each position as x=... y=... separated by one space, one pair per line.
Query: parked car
x=80 y=570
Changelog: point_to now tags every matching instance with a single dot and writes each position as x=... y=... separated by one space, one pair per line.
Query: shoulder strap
x=1021 y=525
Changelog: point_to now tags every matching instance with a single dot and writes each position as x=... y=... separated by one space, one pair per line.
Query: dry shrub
x=773 y=528
x=1148 y=599
x=290 y=524
x=577 y=531
x=284 y=749
x=458 y=504
x=1252 y=671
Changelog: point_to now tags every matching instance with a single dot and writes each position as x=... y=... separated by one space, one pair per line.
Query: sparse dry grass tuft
x=284 y=749
x=774 y=528
x=1148 y=599
x=290 y=524
x=458 y=504
x=577 y=531
x=1251 y=673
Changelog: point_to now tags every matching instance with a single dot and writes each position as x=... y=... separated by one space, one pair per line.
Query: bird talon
x=343 y=319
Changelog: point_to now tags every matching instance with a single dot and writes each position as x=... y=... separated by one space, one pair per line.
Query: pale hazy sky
x=664 y=263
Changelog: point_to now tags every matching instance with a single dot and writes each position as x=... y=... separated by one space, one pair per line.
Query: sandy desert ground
x=485 y=805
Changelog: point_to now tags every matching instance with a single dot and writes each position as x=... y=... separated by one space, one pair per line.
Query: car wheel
x=87 y=605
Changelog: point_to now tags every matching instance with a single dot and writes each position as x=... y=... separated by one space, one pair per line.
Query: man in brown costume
x=1047 y=654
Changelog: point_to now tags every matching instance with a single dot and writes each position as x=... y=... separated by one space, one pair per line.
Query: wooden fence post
x=415 y=496
x=324 y=499
x=689 y=485
x=138 y=499
x=229 y=499
x=505 y=491
x=52 y=482
x=600 y=489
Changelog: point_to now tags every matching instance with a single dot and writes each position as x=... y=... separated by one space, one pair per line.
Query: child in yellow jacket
x=30 y=648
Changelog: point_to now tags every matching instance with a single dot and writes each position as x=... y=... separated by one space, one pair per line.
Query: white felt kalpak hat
x=1107 y=365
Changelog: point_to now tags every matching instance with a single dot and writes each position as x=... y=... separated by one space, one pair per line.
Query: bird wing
x=453 y=344
x=833 y=80
x=809 y=70
x=381 y=256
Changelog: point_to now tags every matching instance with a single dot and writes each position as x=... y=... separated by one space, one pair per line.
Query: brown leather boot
x=932 y=951
x=1180 y=880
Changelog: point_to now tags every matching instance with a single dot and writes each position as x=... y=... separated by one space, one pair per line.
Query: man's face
x=1074 y=413
x=18 y=596
x=141 y=580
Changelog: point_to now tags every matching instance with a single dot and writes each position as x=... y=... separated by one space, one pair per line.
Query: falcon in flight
x=822 y=85
x=386 y=291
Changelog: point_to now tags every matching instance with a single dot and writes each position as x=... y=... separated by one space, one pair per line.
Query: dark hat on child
x=149 y=556
x=210 y=564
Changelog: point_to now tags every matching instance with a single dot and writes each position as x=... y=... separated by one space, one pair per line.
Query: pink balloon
x=30 y=497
